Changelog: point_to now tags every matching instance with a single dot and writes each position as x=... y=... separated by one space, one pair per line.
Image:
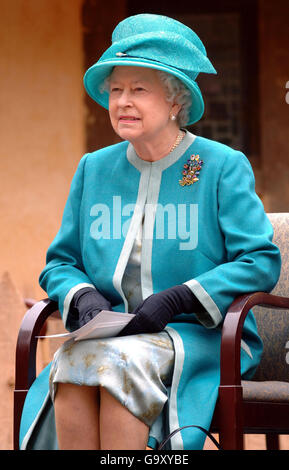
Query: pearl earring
x=173 y=117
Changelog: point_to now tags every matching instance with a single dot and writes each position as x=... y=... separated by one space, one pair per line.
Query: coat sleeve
x=64 y=273
x=253 y=262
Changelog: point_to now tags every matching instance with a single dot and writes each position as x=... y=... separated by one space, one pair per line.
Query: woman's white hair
x=176 y=92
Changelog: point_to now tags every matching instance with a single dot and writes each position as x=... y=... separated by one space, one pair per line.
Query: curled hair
x=179 y=93
x=176 y=91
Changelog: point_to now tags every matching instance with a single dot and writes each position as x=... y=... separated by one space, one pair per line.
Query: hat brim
x=97 y=73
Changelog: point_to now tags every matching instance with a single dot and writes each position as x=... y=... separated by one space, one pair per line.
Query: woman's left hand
x=157 y=310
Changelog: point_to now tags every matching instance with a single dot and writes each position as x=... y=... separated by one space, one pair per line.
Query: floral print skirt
x=135 y=369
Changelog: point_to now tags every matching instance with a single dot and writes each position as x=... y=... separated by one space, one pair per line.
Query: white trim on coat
x=212 y=317
x=33 y=424
x=69 y=296
x=176 y=440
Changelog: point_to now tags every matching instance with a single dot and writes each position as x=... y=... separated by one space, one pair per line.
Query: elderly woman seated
x=165 y=225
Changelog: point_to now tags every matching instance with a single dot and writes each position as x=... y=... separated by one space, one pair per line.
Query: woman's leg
x=119 y=428
x=87 y=423
x=77 y=417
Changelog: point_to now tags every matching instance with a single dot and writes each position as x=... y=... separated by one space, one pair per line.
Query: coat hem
x=27 y=436
x=176 y=440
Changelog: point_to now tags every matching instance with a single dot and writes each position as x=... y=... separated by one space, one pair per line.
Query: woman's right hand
x=86 y=304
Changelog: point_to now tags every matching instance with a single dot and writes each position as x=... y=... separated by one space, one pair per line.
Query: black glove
x=155 y=312
x=85 y=305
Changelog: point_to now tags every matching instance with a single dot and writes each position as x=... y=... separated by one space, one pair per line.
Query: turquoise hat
x=156 y=42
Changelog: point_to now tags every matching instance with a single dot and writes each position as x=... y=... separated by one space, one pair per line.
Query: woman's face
x=138 y=107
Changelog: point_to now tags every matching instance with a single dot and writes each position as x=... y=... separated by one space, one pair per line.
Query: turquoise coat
x=212 y=235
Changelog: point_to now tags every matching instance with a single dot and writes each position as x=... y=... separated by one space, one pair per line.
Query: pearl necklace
x=178 y=140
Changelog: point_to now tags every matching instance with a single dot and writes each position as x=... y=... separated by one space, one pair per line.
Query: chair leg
x=230 y=416
x=272 y=441
x=19 y=399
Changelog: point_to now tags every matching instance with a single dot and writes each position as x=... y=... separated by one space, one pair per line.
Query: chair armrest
x=232 y=331
x=31 y=325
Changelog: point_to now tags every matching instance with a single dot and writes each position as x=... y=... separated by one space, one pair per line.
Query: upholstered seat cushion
x=273 y=391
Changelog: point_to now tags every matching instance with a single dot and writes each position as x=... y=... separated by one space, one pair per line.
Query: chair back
x=273 y=324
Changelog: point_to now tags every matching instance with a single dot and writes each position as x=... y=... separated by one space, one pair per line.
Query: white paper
x=105 y=324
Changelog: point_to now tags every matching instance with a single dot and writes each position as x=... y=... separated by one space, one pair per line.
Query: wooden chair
x=259 y=406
